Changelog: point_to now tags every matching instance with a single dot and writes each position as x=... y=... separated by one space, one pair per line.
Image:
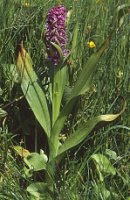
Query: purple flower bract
x=56 y=33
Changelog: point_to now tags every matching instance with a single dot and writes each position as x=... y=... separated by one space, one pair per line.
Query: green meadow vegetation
x=65 y=129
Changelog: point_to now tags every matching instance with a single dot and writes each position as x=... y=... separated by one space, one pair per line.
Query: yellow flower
x=91 y=44
x=27 y=4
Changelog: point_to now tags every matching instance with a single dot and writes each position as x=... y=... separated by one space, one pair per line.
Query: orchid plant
x=52 y=120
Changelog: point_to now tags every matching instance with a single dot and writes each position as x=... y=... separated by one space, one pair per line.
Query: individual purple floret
x=56 y=33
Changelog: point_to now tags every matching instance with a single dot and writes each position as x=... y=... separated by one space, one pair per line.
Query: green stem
x=56 y=95
x=59 y=80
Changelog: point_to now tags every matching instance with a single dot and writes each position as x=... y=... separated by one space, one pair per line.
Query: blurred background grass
x=25 y=20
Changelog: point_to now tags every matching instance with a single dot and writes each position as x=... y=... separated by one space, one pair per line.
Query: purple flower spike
x=56 y=33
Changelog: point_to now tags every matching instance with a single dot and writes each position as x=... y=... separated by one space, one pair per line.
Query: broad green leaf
x=3 y=113
x=32 y=91
x=58 y=82
x=27 y=172
x=42 y=153
x=103 y=165
x=21 y=151
x=83 y=80
x=82 y=85
x=86 y=128
x=35 y=161
x=56 y=129
x=67 y=93
x=39 y=190
x=111 y=154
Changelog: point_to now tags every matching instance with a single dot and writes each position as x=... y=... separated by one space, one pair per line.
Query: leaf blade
x=32 y=91
x=78 y=89
x=81 y=133
x=35 y=161
x=90 y=67
x=103 y=165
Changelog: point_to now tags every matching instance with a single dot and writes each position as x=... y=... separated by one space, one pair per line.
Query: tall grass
x=77 y=177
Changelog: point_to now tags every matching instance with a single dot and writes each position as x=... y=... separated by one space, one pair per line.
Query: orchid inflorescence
x=56 y=33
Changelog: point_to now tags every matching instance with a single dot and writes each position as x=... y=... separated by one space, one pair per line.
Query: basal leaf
x=103 y=165
x=35 y=161
x=32 y=91
x=39 y=190
x=81 y=86
x=83 y=83
x=111 y=154
x=86 y=128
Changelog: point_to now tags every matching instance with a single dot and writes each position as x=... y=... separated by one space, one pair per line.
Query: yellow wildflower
x=27 y=4
x=119 y=74
x=91 y=44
